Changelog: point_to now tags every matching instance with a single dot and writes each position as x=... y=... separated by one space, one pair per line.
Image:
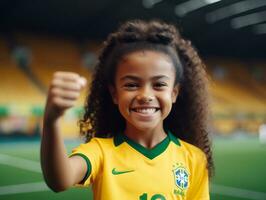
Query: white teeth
x=145 y=110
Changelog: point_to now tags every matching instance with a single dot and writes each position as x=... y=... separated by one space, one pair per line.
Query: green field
x=240 y=172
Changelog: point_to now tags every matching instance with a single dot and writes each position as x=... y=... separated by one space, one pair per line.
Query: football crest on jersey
x=181 y=176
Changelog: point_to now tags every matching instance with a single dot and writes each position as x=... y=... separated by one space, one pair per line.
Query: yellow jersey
x=121 y=169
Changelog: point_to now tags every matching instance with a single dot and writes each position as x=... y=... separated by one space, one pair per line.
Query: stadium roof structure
x=234 y=28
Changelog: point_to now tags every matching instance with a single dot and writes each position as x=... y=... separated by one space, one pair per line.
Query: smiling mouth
x=145 y=110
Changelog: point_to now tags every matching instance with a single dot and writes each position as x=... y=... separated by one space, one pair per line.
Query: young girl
x=145 y=121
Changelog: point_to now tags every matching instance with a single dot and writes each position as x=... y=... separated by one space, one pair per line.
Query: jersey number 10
x=144 y=196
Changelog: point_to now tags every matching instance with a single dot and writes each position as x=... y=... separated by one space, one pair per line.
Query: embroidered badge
x=181 y=176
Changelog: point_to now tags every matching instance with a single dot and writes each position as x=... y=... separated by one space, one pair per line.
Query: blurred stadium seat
x=20 y=96
x=238 y=102
x=239 y=99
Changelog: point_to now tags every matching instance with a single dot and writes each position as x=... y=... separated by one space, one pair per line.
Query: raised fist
x=63 y=93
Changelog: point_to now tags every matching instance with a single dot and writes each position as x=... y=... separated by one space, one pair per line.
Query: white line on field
x=20 y=163
x=41 y=186
x=216 y=189
x=23 y=188
x=237 y=192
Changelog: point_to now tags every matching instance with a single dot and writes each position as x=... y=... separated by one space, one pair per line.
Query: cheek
x=166 y=102
x=124 y=100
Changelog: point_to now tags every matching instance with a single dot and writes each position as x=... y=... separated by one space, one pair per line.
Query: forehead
x=146 y=64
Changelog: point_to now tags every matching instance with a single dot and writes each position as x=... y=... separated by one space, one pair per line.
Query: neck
x=147 y=138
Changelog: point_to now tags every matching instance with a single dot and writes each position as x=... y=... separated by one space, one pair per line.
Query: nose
x=145 y=96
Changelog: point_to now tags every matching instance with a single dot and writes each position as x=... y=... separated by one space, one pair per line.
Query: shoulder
x=192 y=151
x=95 y=144
x=98 y=142
x=106 y=142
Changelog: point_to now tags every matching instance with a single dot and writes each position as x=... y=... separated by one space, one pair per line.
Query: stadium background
x=38 y=38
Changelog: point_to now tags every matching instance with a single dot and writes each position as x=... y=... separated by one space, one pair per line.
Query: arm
x=60 y=172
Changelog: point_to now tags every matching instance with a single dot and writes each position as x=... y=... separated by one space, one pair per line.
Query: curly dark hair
x=189 y=117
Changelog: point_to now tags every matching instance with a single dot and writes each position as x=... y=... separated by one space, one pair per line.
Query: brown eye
x=131 y=86
x=160 y=85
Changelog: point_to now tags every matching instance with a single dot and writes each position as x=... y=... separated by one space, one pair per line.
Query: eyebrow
x=136 y=78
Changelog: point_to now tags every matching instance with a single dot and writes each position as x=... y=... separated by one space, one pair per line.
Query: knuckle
x=54 y=83
x=66 y=74
x=71 y=95
x=74 y=75
x=75 y=87
x=57 y=75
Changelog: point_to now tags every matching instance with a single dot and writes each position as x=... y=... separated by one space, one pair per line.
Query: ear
x=175 y=93
x=113 y=93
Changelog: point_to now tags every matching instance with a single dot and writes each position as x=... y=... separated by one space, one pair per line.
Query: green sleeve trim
x=88 y=173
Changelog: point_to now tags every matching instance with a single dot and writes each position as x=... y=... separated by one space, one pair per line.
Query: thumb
x=83 y=81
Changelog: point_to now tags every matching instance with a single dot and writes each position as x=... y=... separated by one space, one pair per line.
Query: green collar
x=149 y=153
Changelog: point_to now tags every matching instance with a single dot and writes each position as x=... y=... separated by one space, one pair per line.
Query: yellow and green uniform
x=119 y=168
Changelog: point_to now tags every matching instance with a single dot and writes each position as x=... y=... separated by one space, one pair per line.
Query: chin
x=144 y=126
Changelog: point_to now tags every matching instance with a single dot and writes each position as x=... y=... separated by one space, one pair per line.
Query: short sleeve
x=91 y=152
x=199 y=189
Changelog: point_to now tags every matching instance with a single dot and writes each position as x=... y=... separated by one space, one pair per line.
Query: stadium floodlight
x=247 y=20
x=233 y=9
x=211 y=1
x=184 y=8
x=150 y=3
x=259 y=29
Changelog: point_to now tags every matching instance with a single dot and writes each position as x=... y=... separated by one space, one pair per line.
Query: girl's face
x=144 y=89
